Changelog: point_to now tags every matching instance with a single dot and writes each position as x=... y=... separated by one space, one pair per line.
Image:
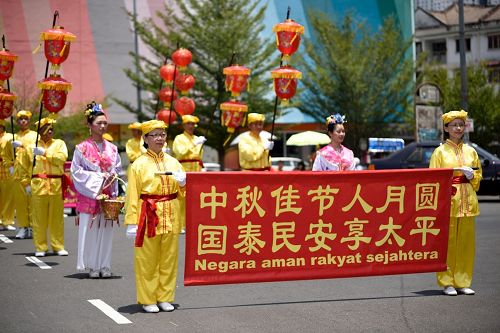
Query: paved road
x=56 y=299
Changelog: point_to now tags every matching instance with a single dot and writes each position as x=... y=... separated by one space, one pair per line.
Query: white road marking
x=38 y=262
x=109 y=311
x=5 y=239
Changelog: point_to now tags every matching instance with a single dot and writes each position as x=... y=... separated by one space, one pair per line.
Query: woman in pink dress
x=93 y=169
x=335 y=156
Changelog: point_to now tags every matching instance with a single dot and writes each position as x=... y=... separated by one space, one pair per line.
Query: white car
x=289 y=163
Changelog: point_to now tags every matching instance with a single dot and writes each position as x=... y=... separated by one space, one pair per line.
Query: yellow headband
x=254 y=117
x=136 y=126
x=23 y=113
x=190 y=119
x=148 y=126
x=449 y=116
x=46 y=121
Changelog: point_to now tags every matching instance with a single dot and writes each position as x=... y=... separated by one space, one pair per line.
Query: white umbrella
x=308 y=138
x=263 y=134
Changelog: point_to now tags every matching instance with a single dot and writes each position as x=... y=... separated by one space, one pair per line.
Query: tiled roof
x=472 y=14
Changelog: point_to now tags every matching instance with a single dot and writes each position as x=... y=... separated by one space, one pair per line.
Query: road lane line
x=5 y=239
x=38 y=262
x=109 y=311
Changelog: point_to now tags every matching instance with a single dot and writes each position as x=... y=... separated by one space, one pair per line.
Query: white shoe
x=466 y=291
x=105 y=273
x=166 y=306
x=40 y=254
x=450 y=291
x=62 y=253
x=183 y=231
x=94 y=274
x=10 y=227
x=22 y=233
x=153 y=308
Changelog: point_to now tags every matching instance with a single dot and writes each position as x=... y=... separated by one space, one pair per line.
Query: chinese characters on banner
x=258 y=226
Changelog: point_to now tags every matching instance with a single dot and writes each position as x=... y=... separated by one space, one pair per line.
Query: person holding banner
x=47 y=190
x=6 y=184
x=95 y=164
x=24 y=140
x=253 y=148
x=454 y=153
x=153 y=217
x=335 y=156
x=188 y=150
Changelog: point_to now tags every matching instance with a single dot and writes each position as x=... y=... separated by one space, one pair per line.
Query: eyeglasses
x=157 y=136
x=456 y=125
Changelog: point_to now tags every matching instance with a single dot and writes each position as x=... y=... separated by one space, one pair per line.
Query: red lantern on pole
x=285 y=82
x=182 y=57
x=233 y=115
x=54 y=92
x=56 y=45
x=167 y=96
x=184 y=82
x=236 y=79
x=167 y=73
x=7 y=60
x=184 y=106
x=167 y=115
x=288 y=37
x=7 y=100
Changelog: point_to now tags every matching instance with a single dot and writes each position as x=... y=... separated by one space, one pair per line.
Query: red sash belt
x=200 y=162
x=148 y=218
x=44 y=176
x=458 y=180
x=259 y=169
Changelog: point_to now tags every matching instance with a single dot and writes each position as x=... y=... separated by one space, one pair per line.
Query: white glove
x=268 y=145
x=180 y=176
x=28 y=189
x=11 y=170
x=131 y=231
x=16 y=144
x=468 y=172
x=200 y=140
x=39 y=151
x=166 y=150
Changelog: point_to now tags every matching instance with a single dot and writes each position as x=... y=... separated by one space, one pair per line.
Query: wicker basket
x=111 y=208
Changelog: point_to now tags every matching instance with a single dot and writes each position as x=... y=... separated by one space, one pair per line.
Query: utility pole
x=463 y=66
x=136 y=50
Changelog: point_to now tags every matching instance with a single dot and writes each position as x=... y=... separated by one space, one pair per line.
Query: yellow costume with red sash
x=6 y=184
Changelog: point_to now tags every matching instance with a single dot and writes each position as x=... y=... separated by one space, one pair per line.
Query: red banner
x=278 y=226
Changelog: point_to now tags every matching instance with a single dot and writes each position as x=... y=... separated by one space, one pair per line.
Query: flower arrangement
x=102 y=196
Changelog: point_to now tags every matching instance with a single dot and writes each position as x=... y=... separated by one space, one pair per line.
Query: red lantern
x=236 y=79
x=184 y=82
x=167 y=72
x=184 y=106
x=285 y=82
x=233 y=115
x=55 y=90
x=7 y=60
x=56 y=45
x=167 y=96
x=7 y=100
x=288 y=37
x=182 y=57
x=167 y=115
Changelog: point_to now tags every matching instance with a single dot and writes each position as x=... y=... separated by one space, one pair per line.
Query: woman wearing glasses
x=153 y=217
x=454 y=153
x=95 y=164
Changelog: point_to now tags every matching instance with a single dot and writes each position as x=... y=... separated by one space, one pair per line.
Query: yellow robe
x=464 y=208
x=134 y=148
x=21 y=180
x=252 y=154
x=6 y=184
x=46 y=195
x=185 y=149
x=156 y=260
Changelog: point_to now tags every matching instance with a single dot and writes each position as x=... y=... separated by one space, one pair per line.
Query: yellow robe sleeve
x=252 y=154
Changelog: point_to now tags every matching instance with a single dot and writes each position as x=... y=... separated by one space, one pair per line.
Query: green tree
x=211 y=30
x=366 y=76
x=483 y=99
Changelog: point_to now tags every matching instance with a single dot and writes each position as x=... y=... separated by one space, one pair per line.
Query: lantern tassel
x=37 y=48
x=63 y=49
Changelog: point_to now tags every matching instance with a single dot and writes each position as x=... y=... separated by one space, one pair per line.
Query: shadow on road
x=51 y=264
x=83 y=276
